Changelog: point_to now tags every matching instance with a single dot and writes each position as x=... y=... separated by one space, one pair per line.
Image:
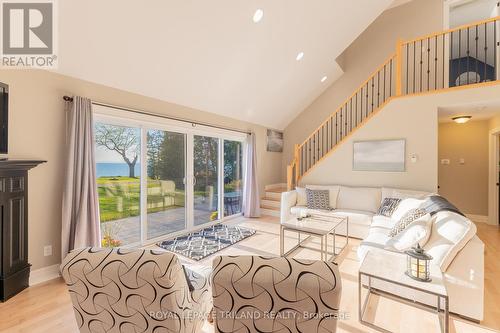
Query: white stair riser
x=273 y=195
x=270 y=203
x=270 y=212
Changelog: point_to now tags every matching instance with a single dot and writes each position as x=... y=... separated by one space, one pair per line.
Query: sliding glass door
x=206 y=179
x=158 y=179
x=233 y=177
x=118 y=180
x=166 y=195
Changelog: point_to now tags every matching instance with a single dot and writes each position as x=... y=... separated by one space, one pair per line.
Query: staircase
x=429 y=64
x=271 y=202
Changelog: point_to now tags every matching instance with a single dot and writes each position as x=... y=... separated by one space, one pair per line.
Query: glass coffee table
x=316 y=225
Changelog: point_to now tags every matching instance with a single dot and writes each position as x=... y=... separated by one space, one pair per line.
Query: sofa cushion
x=389 y=192
x=334 y=192
x=381 y=224
x=301 y=196
x=355 y=216
x=359 y=198
x=388 y=206
x=417 y=232
x=377 y=241
x=318 y=199
x=405 y=206
x=406 y=220
x=450 y=233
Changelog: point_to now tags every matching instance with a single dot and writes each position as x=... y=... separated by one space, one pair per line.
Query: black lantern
x=418 y=264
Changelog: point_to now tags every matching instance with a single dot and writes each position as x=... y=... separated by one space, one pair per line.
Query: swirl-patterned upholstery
x=122 y=291
x=258 y=294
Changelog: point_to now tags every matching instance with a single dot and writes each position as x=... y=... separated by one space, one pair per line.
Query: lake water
x=115 y=169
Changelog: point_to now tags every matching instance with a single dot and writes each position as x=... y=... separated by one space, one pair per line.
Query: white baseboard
x=478 y=218
x=44 y=274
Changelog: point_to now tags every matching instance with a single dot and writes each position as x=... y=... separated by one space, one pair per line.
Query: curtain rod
x=70 y=99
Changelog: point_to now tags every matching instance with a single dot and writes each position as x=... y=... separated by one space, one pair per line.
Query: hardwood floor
x=47 y=307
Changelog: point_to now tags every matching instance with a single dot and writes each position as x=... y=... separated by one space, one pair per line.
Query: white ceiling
x=210 y=55
x=472 y=10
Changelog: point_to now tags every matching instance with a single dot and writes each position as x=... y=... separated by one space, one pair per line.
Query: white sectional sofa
x=451 y=239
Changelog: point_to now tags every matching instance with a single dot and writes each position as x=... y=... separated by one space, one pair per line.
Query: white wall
x=412 y=118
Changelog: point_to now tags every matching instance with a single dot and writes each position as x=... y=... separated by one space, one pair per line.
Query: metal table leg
x=282 y=241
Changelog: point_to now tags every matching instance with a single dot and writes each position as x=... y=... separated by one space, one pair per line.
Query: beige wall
x=360 y=59
x=465 y=185
x=37 y=130
x=400 y=119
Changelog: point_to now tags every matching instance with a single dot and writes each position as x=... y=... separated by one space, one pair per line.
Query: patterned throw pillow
x=318 y=199
x=406 y=220
x=388 y=206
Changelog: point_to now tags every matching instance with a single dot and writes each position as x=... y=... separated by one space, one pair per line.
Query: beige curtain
x=80 y=207
x=251 y=197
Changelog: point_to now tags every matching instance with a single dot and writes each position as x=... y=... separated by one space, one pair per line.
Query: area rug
x=200 y=244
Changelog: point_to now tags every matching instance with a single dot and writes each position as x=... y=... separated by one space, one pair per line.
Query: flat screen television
x=4 y=118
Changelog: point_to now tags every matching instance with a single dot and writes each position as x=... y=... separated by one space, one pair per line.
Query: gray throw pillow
x=388 y=206
x=406 y=220
x=318 y=199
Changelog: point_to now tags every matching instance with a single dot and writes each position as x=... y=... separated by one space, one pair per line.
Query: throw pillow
x=301 y=196
x=417 y=232
x=318 y=199
x=406 y=220
x=388 y=206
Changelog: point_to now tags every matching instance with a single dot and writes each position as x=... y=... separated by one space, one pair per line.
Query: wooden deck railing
x=458 y=57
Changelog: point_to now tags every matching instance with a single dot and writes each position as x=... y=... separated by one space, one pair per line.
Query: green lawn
x=119 y=197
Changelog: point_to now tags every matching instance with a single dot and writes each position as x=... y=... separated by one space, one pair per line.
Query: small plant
x=109 y=231
x=214 y=216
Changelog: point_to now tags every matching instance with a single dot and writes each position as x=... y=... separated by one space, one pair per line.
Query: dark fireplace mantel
x=14 y=268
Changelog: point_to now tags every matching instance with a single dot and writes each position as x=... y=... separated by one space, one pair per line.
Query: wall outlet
x=47 y=250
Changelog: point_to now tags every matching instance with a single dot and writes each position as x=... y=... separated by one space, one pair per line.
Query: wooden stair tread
x=276 y=190
x=271 y=199
x=269 y=207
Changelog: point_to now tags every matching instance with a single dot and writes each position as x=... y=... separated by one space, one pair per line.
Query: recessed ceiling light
x=323 y=79
x=258 y=15
x=461 y=119
x=299 y=56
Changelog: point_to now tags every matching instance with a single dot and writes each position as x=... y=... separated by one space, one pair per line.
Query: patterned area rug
x=201 y=244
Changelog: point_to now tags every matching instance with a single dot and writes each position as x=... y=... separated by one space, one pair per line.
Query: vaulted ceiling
x=211 y=55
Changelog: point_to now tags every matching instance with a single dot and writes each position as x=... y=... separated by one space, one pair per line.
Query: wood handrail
x=447 y=31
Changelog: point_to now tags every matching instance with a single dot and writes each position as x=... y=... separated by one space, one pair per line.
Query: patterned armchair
x=256 y=294
x=121 y=291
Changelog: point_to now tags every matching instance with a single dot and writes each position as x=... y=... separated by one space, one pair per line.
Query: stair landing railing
x=464 y=56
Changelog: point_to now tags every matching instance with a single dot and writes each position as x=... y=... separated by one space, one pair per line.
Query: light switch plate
x=445 y=161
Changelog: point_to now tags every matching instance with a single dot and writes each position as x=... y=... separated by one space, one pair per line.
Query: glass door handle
x=194 y=180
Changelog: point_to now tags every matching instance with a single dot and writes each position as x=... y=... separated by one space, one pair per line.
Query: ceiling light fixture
x=299 y=56
x=461 y=119
x=258 y=15
x=323 y=79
